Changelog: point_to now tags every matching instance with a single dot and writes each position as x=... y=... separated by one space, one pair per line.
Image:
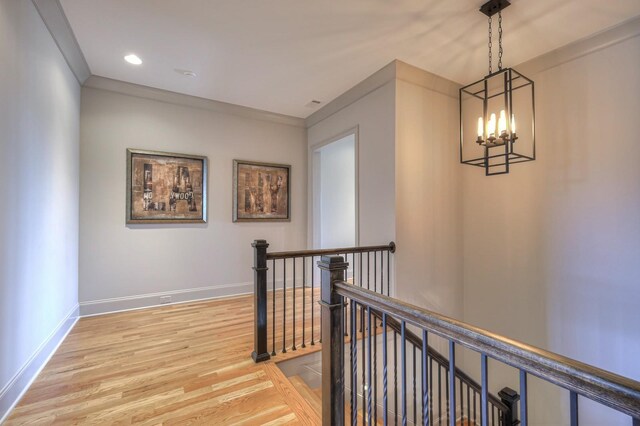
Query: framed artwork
x=261 y=192
x=164 y=187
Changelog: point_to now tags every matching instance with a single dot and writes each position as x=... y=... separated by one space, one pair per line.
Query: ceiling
x=278 y=55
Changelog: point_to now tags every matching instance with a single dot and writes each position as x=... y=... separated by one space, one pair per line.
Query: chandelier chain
x=499 y=40
x=490 y=44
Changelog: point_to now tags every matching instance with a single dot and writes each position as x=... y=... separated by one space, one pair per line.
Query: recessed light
x=133 y=59
x=186 y=73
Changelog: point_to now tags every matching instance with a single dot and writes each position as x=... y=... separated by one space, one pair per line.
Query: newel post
x=510 y=398
x=260 y=300
x=332 y=270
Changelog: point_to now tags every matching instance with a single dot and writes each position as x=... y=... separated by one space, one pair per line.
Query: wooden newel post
x=260 y=300
x=332 y=270
x=510 y=398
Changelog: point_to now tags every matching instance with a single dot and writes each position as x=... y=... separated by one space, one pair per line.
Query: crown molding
x=360 y=90
x=394 y=70
x=577 y=49
x=56 y=22
x=418 y=76
x=146 y=92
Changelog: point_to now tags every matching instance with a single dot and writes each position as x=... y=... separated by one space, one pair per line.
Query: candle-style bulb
x=513 y=123
x=502 y=123
x=480 y=127
x=491 y=126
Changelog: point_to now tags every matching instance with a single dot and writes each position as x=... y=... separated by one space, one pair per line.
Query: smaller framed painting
x=261 y=192
x=164 y=187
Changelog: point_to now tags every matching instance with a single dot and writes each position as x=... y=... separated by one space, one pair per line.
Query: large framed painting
x=261 y=192
x=164 y=187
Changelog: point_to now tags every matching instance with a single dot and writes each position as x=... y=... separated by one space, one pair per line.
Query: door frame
x=313 y=175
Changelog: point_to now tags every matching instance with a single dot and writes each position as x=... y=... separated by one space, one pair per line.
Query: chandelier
x=489 y=109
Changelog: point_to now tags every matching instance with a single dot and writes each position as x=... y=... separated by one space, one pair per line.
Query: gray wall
x=548 y=254
x=132 y=266
x=374 y=117
x=428 y=194
x=552 y=250
x=39 y=162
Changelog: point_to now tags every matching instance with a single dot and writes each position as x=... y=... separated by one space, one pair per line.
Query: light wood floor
x=180 y=364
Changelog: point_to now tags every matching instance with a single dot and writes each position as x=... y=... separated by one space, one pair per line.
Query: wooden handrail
x=607 y=388
x=335 y=251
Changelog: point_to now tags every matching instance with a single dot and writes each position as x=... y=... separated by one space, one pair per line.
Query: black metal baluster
x=461 y=400
x=355 y=268
x=447 y=394
x=468 y=404
x=273 y=323
x=313 y=305
x=364 y=372
x=360 y=275
x=375 y=272
x=484 y=386
x=439 y=394
x=354 y=367
x=321 y=315
x=304 y=303
x=294 y=303
x=346 y=326
x=385 y=407
x=368 y=270
x=452 y=383
x=369 y=368
x=375 y=373
x=388 y=272
x=403 y=351
x=573 y=403
x=524 y=413
x=395 y=375
x=284 y=307
x=415 y=419
x=446 y=384
x=475 y=397
x=425 y=386
x=493 y=416
x=382 y=272
x=346 y=322
x=431 y=391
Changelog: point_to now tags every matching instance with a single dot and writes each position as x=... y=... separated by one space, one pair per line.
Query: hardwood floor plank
x=179 y=364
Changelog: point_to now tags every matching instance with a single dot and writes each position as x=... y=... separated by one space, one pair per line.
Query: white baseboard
x=118 y=304
x=13 y=391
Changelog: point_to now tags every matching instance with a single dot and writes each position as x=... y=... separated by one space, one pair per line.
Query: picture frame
x=261 y=192
x=166 y=187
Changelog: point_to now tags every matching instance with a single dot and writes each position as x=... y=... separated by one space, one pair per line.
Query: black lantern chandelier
x=489 y=109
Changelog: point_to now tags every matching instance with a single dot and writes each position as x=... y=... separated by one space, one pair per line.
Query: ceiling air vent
x=314 y=103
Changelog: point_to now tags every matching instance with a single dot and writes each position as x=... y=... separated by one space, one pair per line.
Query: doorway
x=335 y=222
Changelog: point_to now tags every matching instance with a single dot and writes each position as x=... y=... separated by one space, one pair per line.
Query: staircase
x=378 y=351
x=313 y=396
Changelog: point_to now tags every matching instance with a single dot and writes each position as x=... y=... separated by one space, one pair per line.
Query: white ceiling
x=278 y=55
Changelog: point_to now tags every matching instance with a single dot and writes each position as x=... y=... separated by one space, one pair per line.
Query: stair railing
x=287 y=287
x=502 y=410
x=581 y=380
